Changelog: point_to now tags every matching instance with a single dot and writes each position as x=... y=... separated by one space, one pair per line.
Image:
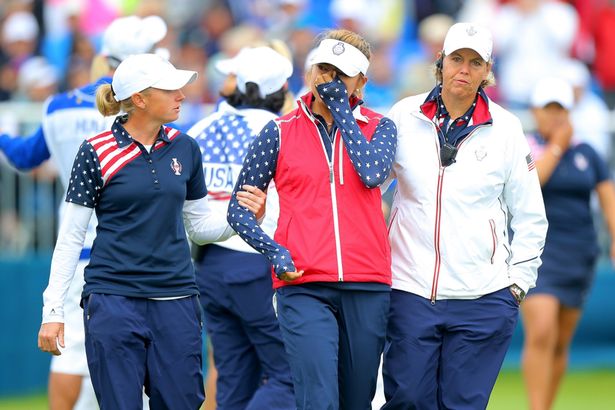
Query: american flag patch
x=530 y=162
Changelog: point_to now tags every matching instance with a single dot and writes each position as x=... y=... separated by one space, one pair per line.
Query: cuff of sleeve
x=260 y=220
x=284 y=267
x=53 y=315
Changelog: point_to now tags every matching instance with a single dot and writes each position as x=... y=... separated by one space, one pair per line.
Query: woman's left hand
x=253 y=199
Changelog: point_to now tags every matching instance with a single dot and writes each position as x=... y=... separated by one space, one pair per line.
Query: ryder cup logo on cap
x=338 y=48
x=469 y=35
x=346 y=57
x=264 y=67
x=142 y=71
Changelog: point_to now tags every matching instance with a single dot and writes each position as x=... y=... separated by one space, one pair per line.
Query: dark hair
x=251 y=98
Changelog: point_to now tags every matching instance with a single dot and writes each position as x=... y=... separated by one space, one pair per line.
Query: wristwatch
x=517 y=292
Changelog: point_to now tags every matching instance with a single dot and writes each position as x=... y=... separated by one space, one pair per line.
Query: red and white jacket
x=330 y=224
x=449 y=225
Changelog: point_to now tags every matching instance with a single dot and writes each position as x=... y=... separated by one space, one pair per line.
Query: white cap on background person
x=130 y=35
x=469 y=35
x=552 y=90
x=575 y=72
x=37 y=72
x=349 y=59
x=264 y=67
x=141 y=71
x=20 y=26
x=228 y=66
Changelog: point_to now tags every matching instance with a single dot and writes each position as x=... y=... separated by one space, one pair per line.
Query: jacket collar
x=480 y=113
x=123 y=138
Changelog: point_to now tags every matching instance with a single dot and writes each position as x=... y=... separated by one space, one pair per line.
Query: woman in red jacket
x=330 y=253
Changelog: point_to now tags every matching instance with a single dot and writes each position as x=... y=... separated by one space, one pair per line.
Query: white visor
x=141 y=71
x=349 y=59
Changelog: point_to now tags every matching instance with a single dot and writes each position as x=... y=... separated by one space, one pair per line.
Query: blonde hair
x=106 y=104
x=349 y=37
x=437 y=71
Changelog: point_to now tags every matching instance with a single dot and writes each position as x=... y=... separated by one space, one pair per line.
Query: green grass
x=38 y=402
x=580 y=390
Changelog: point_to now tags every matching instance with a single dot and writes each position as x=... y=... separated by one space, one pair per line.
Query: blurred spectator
x=425 y=8
x=590 y=115
x=354 y=15
x=379 y=90
x=19 y=40
x=569 y=173
x=37 y=80
x=604 y=63
x=532 y=37
x=285 y=18
x=233 y=40
x=479 y=11
x=416 y=72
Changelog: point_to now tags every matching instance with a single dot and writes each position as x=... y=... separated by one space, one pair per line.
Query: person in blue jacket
x=570 y=172
x=68 y=119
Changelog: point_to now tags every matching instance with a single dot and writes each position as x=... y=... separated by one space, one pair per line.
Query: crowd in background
x=46 y=46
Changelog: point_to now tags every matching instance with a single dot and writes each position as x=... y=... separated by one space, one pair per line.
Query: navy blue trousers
x=334 y=338
x=236 y=294
x=447 y=355
x=132 y=343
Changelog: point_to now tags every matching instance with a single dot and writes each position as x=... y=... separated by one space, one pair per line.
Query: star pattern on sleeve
x=86 y=180
x=372 y=159
x=258 y=169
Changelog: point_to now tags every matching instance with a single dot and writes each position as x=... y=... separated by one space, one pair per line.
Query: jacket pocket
x=87 y=307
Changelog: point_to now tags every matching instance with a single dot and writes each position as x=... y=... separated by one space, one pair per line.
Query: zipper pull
x=330 y=172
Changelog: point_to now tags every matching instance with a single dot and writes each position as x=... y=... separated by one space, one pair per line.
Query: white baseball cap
x=264 y=67
x=37 y=72
x=229 y=66
x=20 y=26
x=469 y=35
x=342 y=55
x=130 y=35
x=141 y=71
x=575 y=72
x=552 y=90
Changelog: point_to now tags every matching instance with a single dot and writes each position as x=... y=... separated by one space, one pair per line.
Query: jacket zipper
x=436 y=270
x=336 y=225
x=438 y=261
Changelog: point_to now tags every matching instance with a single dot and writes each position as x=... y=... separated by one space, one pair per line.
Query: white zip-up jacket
x=448 y=225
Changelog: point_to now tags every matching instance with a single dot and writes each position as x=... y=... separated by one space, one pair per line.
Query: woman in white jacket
x=464 y=173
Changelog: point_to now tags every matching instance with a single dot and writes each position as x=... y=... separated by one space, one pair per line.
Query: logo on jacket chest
x=480 y=153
